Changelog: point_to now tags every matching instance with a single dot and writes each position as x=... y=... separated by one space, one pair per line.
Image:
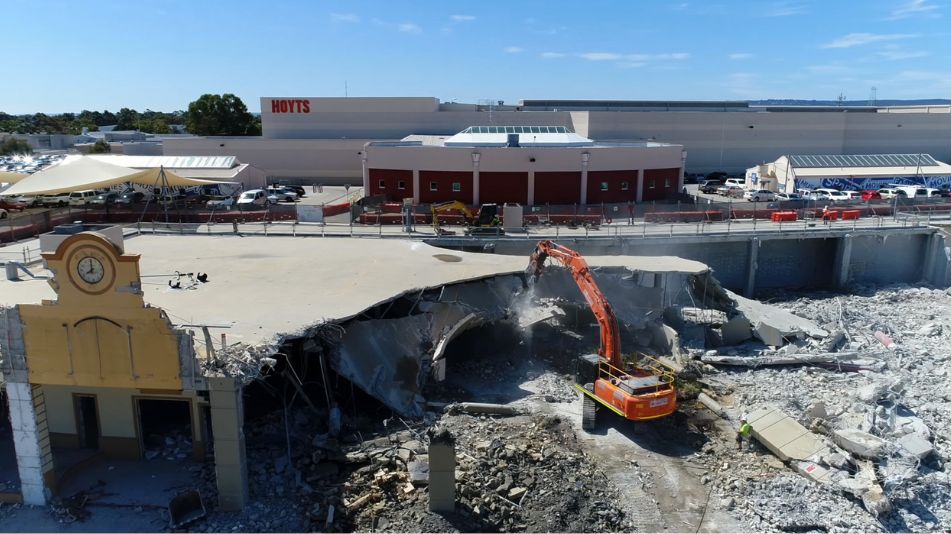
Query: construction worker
x=743 y=433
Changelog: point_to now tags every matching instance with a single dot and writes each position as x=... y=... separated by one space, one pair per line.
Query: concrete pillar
x=531 y=187
x=366 y=172
x=683 y=164
x=31 y=440
x=475 y=178
x=753 y=259
x=640 y=186
x=843 y=257
x=442 y=472
x=227 y=426
x=585 y=157
x=415 y=186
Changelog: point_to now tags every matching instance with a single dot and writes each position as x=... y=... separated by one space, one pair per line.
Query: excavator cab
x=488 y=215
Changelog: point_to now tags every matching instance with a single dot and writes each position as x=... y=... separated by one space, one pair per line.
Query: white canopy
x=11 y=177
x=81 y=173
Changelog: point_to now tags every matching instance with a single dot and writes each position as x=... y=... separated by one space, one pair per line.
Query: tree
x=220 y=115
x=100 y=147
x=15 y=146
x=127 y=119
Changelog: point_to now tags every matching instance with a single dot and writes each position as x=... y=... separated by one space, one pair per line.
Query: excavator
x=486 y=218
x=640 y=390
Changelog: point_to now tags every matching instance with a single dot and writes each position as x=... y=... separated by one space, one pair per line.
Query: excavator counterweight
x=640 y=390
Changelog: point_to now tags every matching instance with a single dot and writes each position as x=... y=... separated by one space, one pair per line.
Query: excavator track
x=589 y=411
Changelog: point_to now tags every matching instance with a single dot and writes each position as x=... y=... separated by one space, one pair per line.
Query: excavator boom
x=638 y=392
x=610 y=348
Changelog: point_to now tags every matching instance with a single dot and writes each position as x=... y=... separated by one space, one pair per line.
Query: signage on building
x=290 y=106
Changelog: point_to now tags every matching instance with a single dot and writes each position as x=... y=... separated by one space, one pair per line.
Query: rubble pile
x=524 y=473
x=175 y=445
x=881 y=414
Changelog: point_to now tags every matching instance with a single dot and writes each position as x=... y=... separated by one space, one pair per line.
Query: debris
x=713 y=405
x=885 y=340
x=783 y=359
x=735 y=331
x=782 y=435
x=860 y=443
x=482 y=408
x=916 y=445
x=185 y=508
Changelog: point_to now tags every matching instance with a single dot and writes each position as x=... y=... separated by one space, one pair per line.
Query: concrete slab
x=266 y=287
x=783 y=435
x=916 y=445
x=770 y=324
x=859 y=443
x=736 y=331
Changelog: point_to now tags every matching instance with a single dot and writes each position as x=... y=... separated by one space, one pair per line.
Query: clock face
x=90 y=270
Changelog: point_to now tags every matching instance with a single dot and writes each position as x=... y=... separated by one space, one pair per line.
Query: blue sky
x=161 y=54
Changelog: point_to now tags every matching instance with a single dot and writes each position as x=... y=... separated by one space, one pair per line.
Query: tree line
x=208 y=115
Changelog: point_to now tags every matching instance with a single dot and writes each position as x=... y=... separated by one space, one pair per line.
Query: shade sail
x=11 y=177
x=84 y=173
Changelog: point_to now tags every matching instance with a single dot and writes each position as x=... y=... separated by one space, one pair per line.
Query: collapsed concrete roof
x=267 y=288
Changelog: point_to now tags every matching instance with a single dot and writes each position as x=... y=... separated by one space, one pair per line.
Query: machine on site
x=486 y=218
x=638 y=390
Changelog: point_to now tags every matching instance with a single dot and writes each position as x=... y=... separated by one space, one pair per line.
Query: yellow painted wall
x=116 y=409
x=99 y=334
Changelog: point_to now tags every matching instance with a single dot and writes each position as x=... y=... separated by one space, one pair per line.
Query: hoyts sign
x=290 y=106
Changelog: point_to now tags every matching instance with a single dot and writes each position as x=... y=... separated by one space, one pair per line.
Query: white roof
x=529 y=136
x=935 y=170
x=170 y=162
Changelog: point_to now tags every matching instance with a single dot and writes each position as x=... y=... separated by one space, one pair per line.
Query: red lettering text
x=290 y=106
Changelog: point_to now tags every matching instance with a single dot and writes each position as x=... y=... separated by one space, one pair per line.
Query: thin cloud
x=462 y=18
x=898 y=55
x=514 y=50
x=784 y=9
x=552 y=55
x=409 y=27
x=740 y=56
x=916 y=8
x=631 y=64
x=859 y=39
x=600 y=56
x=349 y=18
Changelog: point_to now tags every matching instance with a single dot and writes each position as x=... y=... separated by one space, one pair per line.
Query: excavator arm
x=610 y=335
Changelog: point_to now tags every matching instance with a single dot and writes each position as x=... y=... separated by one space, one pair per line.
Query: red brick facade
x=660 y=183
x=557 y=188
x=612 y=186
x=440 y=186
x=501 y=187
x=393 y=183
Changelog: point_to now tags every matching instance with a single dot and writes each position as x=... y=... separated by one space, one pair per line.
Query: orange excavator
x=640 y=390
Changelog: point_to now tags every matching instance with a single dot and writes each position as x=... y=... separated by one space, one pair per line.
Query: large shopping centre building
x=348 y=140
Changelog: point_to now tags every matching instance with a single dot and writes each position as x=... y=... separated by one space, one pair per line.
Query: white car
x=255 y=197
x=282 y=194
x=853 y=194
x=784 y=197
x=759 y=195
x=830 y=194
x=58 y=200
x=220 y=203
x=29 y=200
x=889 y=193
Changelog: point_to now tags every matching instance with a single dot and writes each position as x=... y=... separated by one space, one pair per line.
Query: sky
x=66 y=56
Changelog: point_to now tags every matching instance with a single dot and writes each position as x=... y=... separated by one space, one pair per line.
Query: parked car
x=735 y=181
x=833 y=195
x=871 y=195
x=255 y=198
x=29 y=200
x=759 y=195
x=889 y=193
x=786 y=197
x=299 y=189
x=103 y=199
x=81 y=198
x=11 y=205
x=3 y=214
x=710 y=186
x=944 y=192
x=853 y=195
x=732 y=191
x=127 y=198
x=224 y=203
x=282 y=193
x=56 y=199
x=927 y=192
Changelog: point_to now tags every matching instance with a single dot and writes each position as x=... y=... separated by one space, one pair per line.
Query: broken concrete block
x=875 y=501
x=736 y=331
x=859 y=443
x=813 y=471
x=783 y=435
x=817 y=410
x=517 y=493
x=775 y=320
x=768 y=334
x=871 y=392
x=418 y=472
x=916 y=445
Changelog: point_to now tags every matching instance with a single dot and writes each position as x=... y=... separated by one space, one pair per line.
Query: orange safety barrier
x=850 y=215
x=783 y=216
x=830 y=216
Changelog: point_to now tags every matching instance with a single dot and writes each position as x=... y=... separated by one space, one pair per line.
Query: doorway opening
x=87 y=421
x=165 y=428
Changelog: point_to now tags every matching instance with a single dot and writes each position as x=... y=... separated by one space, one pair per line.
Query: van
x=81 y=198
x=741 y=182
